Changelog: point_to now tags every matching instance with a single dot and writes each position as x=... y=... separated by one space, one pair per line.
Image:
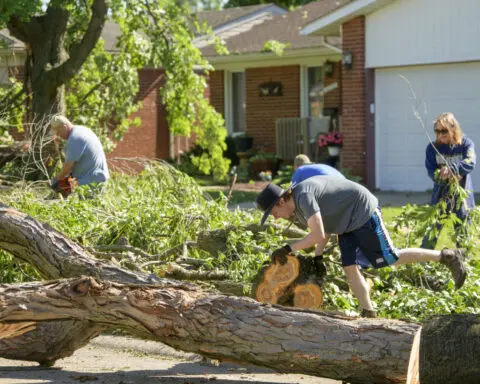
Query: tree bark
x=224 y=327
x=53 y=63
x=47 y=341
x=54 y=257
x=450 y=350
x=47 y=321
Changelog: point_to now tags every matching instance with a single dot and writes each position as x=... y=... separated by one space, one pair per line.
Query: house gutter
x=259 y=56
x=332 y=47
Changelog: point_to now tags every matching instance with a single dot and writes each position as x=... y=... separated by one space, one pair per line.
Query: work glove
x=54 y=183
x=280 y=255
x=322 y=269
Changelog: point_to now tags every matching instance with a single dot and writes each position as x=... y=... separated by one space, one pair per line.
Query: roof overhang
x=289 y=57
x=330 y=24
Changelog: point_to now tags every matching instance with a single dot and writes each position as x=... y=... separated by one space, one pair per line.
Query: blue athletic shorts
x=368 y=246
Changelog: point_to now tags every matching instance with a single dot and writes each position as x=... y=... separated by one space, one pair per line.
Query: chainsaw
x=65 y=186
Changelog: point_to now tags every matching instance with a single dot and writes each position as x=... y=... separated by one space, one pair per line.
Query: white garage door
x=400 y=139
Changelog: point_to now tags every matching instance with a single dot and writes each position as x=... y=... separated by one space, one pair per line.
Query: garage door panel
x=400 y=139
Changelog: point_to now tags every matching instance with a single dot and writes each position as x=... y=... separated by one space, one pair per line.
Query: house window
x=238 y=102
x=314 y=88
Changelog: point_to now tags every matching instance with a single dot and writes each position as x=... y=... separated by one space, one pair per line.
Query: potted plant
x=263 y=161
x=243 y=143
x=333 y=141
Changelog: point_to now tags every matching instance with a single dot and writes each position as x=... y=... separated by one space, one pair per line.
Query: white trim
x=332 y=21
x=240 y=63
x=332 y=47
x=303 y=91
x=228 y=101
x=227 y=97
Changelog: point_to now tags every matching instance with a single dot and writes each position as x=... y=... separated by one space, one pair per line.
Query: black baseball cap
x=267 y=199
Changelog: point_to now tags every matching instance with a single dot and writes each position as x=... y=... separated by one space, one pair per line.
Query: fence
x=295 y=135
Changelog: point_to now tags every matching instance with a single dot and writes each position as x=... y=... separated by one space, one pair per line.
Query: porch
x=296 y=135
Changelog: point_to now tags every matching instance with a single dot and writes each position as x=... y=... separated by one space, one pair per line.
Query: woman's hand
x=445 y=173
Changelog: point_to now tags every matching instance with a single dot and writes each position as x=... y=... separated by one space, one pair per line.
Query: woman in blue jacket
x=454 y=155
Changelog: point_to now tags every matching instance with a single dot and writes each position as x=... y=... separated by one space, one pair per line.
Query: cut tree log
x=298 y=283
x=450 y=350
x=223 y=327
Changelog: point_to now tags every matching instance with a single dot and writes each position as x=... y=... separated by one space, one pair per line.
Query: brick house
x=152 y=139
x=434 y=45
x=307 y=63
x=431 y=42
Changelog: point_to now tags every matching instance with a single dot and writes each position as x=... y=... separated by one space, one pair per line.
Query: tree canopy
x=65 y=51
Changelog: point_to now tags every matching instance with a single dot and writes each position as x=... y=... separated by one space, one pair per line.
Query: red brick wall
x=151 y=138
x=262 y=111
x=216 y=91
x=353 y=97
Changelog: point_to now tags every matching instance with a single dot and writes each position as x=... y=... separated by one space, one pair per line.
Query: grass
x=391 y=213
x=237 y=196
x=206 y=181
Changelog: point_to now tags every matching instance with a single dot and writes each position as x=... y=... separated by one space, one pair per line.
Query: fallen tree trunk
x=224 y=327
x=46 y=341
x=450 y=350
x=47 y=321
x=55 y=256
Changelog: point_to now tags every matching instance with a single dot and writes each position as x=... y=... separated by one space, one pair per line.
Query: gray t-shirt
x=343 y=204
x=84 y=148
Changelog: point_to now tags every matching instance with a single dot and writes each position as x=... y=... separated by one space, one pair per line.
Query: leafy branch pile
x=150 y=220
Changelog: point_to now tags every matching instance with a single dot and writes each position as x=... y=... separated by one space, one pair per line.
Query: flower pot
x=263 y=165
x=333 y=150
x=243 y=143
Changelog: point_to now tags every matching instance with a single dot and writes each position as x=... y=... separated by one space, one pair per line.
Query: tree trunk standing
x=47 y=47
x=53 y=64
x=225 y=327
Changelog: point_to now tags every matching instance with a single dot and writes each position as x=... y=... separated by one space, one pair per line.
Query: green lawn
x=390 y=214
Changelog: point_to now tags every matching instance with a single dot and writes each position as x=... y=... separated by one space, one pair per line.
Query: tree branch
x=79 y=52
x=18 y=28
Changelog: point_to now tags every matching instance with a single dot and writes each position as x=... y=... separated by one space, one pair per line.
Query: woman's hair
x=447 y=120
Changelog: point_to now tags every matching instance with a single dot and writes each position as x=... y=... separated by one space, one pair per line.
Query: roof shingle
x=217 y=18
x=284 y=29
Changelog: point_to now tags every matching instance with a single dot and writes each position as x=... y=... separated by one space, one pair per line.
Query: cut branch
x=176 y=271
